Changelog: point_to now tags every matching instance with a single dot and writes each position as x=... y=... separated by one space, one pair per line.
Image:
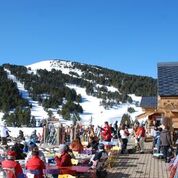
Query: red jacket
x=35 y=163
x=140 y=132
x=106 y=133
x=15 y=165
x=64 y=160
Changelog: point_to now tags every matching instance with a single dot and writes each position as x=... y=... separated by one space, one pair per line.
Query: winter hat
x=62 y=148
x=32 y=145
x=11 y=154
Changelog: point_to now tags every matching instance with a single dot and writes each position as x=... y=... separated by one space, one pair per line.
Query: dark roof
x=148 y=102
x=168 y=79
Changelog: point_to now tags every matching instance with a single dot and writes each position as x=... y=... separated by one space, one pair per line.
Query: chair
x=32 y=173
x=66 y=176
x=9 y=173
x=74 y=161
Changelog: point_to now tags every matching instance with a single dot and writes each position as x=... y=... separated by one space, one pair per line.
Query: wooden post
x=44 y=134
x=57 y=136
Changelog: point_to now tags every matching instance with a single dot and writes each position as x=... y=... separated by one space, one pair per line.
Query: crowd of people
x=96 y=139
x=35 y=161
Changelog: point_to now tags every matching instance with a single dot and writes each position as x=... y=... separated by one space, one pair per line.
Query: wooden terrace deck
x=139 y=166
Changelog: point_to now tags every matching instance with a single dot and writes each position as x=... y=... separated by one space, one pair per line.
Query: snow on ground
x=109 y=88
x=14 y=131
x=64 y=66
x=135 y=98
x=36 y=110
x=93 y=111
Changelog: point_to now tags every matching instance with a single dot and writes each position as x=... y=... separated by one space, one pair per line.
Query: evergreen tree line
x=9 y=94
x=50 y=90
x=125 y=83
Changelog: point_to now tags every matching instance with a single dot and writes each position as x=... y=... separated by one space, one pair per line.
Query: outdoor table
x=54 y=169
x=112 y=143
x=83 y=158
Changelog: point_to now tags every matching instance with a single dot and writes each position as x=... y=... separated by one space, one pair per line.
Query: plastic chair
x=66 y=176
x=32 y=173
x=74 y=161
x=9 y=173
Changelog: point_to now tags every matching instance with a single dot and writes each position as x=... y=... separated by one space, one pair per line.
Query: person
x=10 y=163
x=157 y=139
x=4 y=132
x=106 y=132
x=155 y=133
x=124 y=137
x=165 y=141
x=135 y=129
x=34 y=137
x=91 y=131
x=76 y=145
x=99 y=157
x=18 y=148
x=40 y=153
x=116 y=130
x=63 y=158
x=35 y=165
x=21 y=135
x=93 y=143
x=140 y=136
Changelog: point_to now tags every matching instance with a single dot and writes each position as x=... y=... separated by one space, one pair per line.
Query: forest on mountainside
x=50 y=89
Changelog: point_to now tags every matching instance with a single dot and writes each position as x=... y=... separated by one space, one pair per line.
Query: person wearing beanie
x=14 y=166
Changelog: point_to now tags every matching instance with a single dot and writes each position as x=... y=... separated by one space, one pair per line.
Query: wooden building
x=163 y=108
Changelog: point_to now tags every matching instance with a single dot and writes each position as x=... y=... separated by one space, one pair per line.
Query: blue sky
x=131 y=36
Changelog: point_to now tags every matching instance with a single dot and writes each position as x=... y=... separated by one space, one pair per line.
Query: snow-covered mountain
x=93 y=111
